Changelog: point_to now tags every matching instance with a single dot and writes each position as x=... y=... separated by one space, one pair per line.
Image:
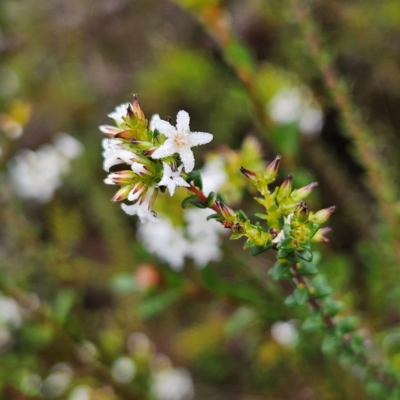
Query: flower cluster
x=38 y=174
x=290 y=226
x=156 y=154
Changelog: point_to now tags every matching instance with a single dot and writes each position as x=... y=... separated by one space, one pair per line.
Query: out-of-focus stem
x=363 y=138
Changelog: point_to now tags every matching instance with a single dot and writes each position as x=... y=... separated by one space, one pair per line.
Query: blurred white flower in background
x=166 y=241
x=58 y=381
x=172 y=384
x=199 y=239
x=81 y=392
x=38 y=174
x=10 y=320
x=285 y=333
x=297 y=105
x=123 y=370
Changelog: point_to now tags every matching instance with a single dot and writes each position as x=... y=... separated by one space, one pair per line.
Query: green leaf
x=330 y=345
x=304 y=255
x=242 y=215
x=283 y=253
x=195 y=177
x=332 y=307
x=155 y=304
x=194 y=201
x=210 y=199
x=348 y=324
x=64 y=302
x=124 y=283
x=300 y=295
x=290 y=301
x=213 y=216
x=313 y=323
x=285 y=244
x=256 y=250
x=322 y=289
x=278 y=270
x=307 y=268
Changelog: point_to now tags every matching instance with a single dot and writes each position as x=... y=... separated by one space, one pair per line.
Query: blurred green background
x=82 y=282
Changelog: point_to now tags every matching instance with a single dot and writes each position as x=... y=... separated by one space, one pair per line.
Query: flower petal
x=199 y=138
x=166 y=149
x=182 y=122
x=187 y=158
x=164 y=127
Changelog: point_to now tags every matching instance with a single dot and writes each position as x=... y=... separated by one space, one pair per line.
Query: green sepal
x=304 y=255
x=279 y=270
x=313 y=323
x=195 y=177
x=194 y=201
x=322 y=289
x=156 y=134
x=307 y=268
x=242 y=215
x=300 y=295
x=255 y=250
x=236 y=236
x=330 y=345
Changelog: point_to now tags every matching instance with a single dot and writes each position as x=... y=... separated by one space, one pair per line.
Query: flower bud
x=322 y=216
x=136 y=108
x=286 y=187
x=272 y=169
x=302 y=193
x=122 y=177
x=250 y=175
x=122 y=193
x=137 y=191
x=226 y=212
x=302 y=213
x=320 y=235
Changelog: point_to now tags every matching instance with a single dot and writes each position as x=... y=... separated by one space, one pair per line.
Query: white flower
x=172 y=384
x=281 y=234
x=205 y=236
x=166 y=242
x=154 y=118
x=142 y=208
x=123 y=370
x=119 y=112
x=68 y=146
x=115 y=154
x=37 y=174
x=172 y=178
x=297 y=105
x=213 y=175
x=10 y=314
x=180 y=140
x=81 y=392
x=285 y=333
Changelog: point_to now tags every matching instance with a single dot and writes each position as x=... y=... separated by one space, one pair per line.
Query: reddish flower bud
x=250 y=175
x=272 y=169
x=122 y=193
x=136 y=108
x=302 y=213
x=286 y=187
x=323 y=215
x=226 y=212
x=302 y=193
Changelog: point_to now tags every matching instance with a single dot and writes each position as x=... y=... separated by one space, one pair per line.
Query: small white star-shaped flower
x=180 y=139
x=172 y=178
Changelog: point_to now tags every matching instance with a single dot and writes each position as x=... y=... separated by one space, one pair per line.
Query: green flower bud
x=302 y=193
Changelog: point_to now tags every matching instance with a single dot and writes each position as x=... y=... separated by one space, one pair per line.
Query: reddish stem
x=203 y=198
